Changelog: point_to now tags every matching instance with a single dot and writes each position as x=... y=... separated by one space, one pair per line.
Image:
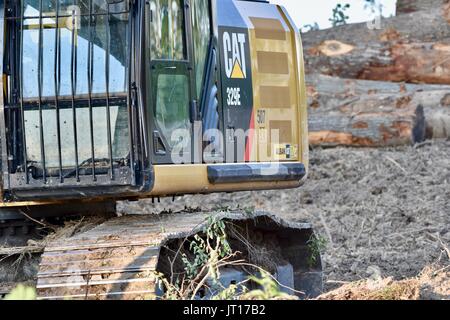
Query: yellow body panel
x=279 y=91
x=301 y=90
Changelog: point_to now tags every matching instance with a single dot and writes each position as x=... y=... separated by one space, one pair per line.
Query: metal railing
x=17 y=104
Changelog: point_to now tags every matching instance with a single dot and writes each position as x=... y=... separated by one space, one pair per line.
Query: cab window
x=172 y=100
x=170 y=73
x=167 y=30
x=201 y=34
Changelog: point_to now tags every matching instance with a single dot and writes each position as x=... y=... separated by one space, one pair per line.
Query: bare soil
x=384 y=212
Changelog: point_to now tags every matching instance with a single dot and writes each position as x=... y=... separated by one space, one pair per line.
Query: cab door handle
x=193 y=113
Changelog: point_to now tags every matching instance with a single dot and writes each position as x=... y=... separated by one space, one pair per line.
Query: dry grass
x=432 y=283
x=383 y=289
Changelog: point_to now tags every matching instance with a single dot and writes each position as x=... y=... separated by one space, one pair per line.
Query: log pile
x=375 y=113
x=381 y=87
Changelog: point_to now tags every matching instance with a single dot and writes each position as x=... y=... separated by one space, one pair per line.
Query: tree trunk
x=408 y=6
x=369 y=113
x=412 y=48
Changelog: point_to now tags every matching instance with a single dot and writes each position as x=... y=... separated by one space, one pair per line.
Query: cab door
x=173 y=107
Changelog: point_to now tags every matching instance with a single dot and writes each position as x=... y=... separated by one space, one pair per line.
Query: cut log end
x=333 y=48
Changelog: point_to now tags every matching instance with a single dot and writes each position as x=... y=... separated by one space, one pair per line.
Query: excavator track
x=118 y=259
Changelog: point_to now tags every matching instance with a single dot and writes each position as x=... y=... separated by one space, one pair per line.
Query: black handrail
x=40 y=81
x=22 y=110
x=73 y=72
x=108 y=111
x=57 y=83
x=90 y=74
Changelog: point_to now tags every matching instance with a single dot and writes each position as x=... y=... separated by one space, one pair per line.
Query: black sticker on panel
x=237 y=88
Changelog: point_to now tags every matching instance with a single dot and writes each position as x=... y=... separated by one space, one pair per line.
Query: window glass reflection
x=167 y=30
x=201 y=32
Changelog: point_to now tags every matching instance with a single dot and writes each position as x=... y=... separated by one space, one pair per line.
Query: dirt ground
x=384 y=212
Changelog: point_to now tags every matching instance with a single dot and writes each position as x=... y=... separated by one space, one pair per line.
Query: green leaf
x=22 y=292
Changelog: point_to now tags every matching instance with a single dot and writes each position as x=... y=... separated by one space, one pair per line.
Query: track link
x=118 y=259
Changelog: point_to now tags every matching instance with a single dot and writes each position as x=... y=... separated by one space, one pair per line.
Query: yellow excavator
x=109 y=100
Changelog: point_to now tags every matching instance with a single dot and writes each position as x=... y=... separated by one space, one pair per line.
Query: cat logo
x=234 y=55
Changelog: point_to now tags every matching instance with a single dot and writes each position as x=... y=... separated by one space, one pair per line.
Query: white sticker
x=234 y=96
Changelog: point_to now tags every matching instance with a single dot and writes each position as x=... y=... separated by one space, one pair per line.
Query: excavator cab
x=118 y=99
